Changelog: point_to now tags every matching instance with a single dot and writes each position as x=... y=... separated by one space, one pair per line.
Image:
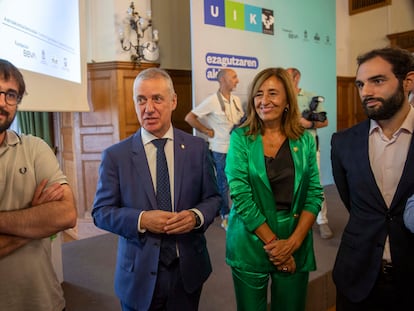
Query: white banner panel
x=43 y=38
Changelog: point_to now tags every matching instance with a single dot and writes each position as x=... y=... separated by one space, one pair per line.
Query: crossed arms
x=52 y=210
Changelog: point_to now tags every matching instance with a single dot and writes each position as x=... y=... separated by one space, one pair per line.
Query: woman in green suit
x=274 y=184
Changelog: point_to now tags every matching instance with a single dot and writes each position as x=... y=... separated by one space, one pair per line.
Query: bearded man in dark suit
x=373 y=168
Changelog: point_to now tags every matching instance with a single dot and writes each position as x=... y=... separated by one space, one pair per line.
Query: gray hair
x=155 y=73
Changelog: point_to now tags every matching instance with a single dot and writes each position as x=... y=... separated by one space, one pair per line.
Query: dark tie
x=168 y=250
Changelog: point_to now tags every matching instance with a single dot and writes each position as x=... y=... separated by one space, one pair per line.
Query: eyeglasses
x=11 y=98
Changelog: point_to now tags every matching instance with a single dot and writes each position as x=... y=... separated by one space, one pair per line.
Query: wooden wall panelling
x=182 y=80
x=63 y=126
x=403 y=40
x=111 y=119
x=349 y=108
x=96 y=130
x=128 y=122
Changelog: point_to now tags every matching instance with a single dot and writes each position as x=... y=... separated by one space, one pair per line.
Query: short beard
x=7 y=123
x=389 y=107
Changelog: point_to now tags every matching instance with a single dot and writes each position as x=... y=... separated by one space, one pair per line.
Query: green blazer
x=253 y=201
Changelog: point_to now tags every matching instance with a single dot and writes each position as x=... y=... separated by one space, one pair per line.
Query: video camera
x=311 y=114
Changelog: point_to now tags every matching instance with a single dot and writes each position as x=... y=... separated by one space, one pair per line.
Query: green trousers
x=288 y=291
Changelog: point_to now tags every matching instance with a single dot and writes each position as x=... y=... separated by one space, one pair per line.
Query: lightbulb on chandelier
x=132 y=34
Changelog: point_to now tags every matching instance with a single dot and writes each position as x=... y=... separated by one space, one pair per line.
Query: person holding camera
x=313 y=117
x=215 y=117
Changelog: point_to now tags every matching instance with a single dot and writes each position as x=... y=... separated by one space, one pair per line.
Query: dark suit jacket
x=125 y=189
x=360 y=253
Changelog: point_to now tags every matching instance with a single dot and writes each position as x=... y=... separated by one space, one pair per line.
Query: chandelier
x=132 y=37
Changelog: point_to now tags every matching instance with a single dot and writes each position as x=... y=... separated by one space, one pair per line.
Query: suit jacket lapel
x=180 y=152
x=140 y=163
x=297 y=152
x=407 y=178
x=362 y=161
x=364 y=165
x=257 y=153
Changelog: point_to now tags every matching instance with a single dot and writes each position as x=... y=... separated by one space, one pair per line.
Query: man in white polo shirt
x=215 y=117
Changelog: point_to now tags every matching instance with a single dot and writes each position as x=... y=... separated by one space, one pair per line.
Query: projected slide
x=42 y=36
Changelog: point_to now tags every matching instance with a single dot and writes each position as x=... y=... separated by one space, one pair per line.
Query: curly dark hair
x=8 y=71
x=402 y=61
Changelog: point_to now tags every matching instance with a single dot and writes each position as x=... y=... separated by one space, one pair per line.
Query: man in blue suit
x=126 y=204
x=373 y=168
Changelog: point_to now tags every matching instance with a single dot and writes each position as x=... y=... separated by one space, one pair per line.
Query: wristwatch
x=198 y=220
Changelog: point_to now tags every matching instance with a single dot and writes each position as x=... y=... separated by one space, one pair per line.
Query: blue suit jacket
x=360 y=253
x=125 y=189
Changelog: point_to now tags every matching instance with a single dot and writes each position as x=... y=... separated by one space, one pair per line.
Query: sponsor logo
x=236 y=15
